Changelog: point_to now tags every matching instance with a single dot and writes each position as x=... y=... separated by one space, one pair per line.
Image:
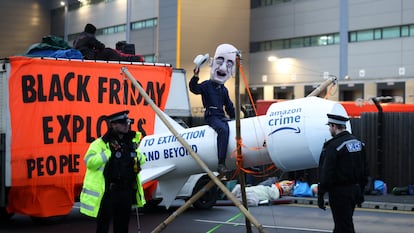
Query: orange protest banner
x=57 y=107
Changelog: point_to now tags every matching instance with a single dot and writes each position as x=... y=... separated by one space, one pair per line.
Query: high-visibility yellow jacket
x=93 y=189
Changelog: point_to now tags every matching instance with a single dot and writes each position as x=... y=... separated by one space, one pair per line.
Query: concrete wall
x=207 y=24
x=22 y=23
x=167 y=32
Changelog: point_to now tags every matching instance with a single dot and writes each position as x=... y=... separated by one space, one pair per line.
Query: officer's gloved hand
x=321 y=201
x=137 y=166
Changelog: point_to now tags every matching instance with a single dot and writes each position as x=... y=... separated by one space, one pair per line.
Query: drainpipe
x=128 y=22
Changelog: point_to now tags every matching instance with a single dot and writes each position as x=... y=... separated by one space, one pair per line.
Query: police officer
x=343 y=173
x=215 y=97
x=112 y=183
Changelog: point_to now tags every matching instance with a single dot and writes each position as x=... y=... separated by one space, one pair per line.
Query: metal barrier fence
x=390 y=148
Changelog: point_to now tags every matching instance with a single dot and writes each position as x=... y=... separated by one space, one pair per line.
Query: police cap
x=118 y=117
x=337 y=119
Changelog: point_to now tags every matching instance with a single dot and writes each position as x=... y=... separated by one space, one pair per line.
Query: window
x=330 y=39
x=265 y=46
x=365 y=35
x=277 y=44
x=148 y=23
x=264 y=3
x=137 y=25
x=334 y=38
x=405 y=31
x=296 y=43
x=314 y=40
x=352 y=37
x=286 y=44
x=107 y=31
x=149 y=58
x=377 y=34
x=324 y=40
x=111 y=30
x=151 y=23
x=411 y=30
x=120 y=28
x=306 y=41
x=391 y=32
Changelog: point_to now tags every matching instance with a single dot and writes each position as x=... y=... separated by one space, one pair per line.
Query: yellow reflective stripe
x=88 y=156
x=103 y=156
x=87 y=207
x=90 y=192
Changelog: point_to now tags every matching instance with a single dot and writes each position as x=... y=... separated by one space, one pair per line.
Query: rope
x=239 y=162
x=248 y=90
x=239 y=143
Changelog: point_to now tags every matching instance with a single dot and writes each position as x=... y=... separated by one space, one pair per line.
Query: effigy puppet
x=215 y=96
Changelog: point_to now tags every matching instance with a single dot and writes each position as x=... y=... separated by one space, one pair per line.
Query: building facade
x=301 y=38
x=163 y=31
x=288 y=47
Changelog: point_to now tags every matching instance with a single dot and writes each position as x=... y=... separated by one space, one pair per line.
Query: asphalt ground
x=277 y=217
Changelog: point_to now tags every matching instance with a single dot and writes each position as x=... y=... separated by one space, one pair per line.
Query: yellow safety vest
x=93 y=188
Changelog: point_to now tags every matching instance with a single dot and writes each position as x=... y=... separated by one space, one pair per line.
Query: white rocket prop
x=294 y=132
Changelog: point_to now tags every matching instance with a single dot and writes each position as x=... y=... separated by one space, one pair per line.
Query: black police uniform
x=343 y=173
x=120 y=183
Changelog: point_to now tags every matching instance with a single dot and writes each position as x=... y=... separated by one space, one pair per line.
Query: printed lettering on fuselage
x=285 y=120
x=153 y=151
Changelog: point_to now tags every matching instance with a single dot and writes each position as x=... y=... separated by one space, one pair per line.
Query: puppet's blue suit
x=215 y=96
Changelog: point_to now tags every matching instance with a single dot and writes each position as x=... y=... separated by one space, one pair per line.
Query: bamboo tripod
x=193 y=154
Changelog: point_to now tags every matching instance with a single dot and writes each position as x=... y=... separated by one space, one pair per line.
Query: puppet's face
x=223 y=64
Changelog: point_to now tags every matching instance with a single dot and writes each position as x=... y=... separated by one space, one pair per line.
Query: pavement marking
x=265 y=226
x=230 y=220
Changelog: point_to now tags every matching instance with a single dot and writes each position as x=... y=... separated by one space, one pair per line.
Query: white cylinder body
x=296 y=131
x=290 y=135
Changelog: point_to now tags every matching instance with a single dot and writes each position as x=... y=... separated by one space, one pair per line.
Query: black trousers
x=115 y=205
x=342 y=200
x=222 y=128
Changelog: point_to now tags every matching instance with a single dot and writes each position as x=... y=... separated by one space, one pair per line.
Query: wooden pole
x=184 y=207
x=193 y=154
x=242 y=178
x=323 y=86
